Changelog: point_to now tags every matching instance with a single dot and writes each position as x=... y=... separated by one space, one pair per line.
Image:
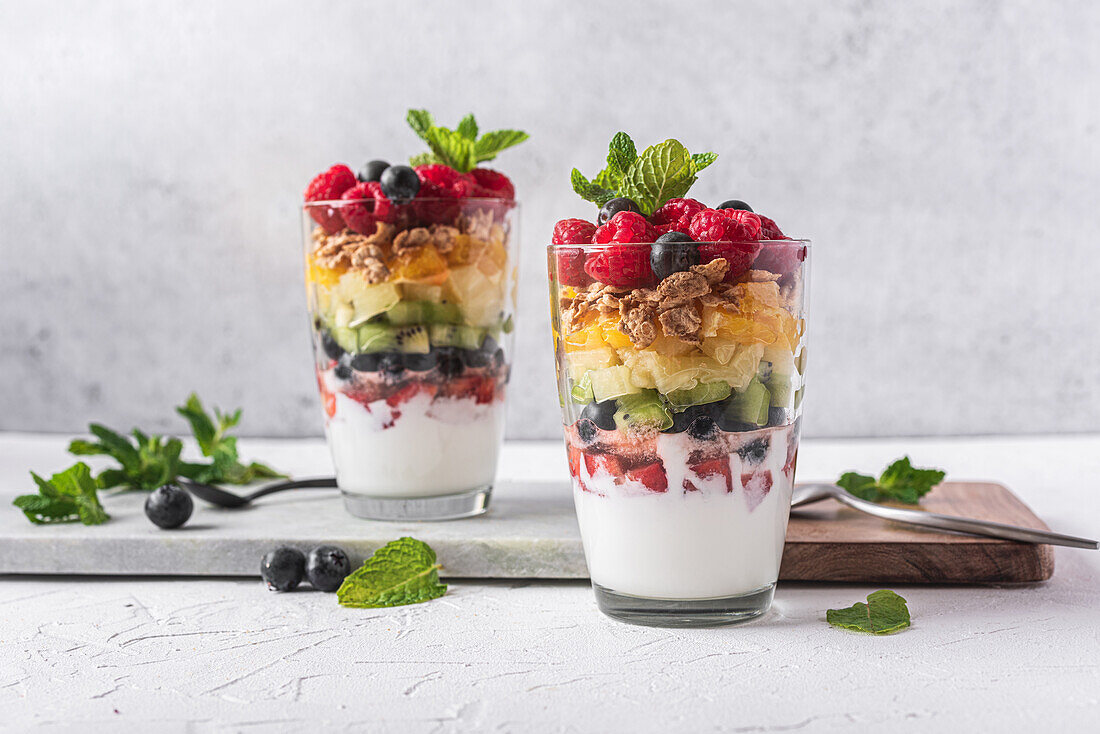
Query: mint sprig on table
x=661 y=172
x=68 y=496
x=401 y=572
x=144 y=462
x=461 y=149
x=901 y=481
x=884 y=613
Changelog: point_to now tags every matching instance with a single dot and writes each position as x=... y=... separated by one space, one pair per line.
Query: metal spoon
x=221 y=498
x=804 y=494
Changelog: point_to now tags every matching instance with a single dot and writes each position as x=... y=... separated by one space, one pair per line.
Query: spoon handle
x=966 y=525
x=318 y=482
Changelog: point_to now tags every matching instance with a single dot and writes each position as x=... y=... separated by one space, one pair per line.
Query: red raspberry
x=624 y=266
x=440 y=189
x=329 y=186
x=780 y=257
x=675 y=215
x=573 y=232
x=769 y=230
x=724 y=225
x=625 y=227
x=369 y=206
x=739 y=256
x=493 y=184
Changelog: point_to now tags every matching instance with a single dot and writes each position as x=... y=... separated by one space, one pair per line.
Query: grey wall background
x=942 y=156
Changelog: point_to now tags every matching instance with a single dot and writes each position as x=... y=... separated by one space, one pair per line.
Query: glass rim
x=337 y=203
x=586 y=246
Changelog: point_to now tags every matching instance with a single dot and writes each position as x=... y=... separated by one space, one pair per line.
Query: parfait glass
x=681 y=407
x=412 y=338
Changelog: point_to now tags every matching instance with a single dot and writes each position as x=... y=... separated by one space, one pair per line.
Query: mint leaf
x=68 y=496
x=211 y=434
x=452 y=148
x=401 y=572
x=467 y=127
x=146 y=463
x=901 y=481
x=884 y=613
x=621 y=154
x=699 y=161
x=661 y=172
x=420 y=121
x=423 y=159
x=489 y=144
x=590 y=191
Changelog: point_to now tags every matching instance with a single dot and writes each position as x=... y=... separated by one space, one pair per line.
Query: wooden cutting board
x=827 y=541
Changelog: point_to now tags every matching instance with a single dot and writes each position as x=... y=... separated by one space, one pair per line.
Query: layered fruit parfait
x=410 y=277
x=678 y=332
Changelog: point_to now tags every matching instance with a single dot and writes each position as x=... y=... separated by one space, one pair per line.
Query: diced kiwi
x=412 y=340
x=423 y=312
x=612 y=382
x=456 y=335
x=701 y=394
x=374 y=337
x=748 y=406
x=348 y=339
x=781 y=387
x=581 y=391
x=643 y=409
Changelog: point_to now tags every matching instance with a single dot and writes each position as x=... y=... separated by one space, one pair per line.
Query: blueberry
x=367 y=362
x=681 y=421
x=391 y=363
x=672 y=255
x=421 y=362
x=450 y=363
x=399 y=183
x=495 y=352
x=735 y=204
x=283 y=568
x=601 y=414
x=613 y=207
x=331 y=347
x=755 y=451
x=342 y=371
x=475 y=358
x=373 y=170
x=703 y=428
x=777 y=416
x=326 y=567
x=169 y=506
x=586 y=429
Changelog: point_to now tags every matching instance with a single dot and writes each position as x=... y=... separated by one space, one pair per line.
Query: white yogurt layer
x=421 y=448
x=687 y=544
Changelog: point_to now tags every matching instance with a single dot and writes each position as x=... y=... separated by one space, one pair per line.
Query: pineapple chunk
x=612 y=382
x=362 y=298
x=480 y=297
x=582 y=361
x=422 y=292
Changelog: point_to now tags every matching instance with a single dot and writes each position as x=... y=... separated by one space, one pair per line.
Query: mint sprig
x=211 y=434
x=401 y=572
x=900 y=481
x=461 y=148
x=884 y=613
x=660 y=172
x=145 y=462
x=68 y=496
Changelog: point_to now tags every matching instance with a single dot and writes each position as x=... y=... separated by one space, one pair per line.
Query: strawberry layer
x=689 y=524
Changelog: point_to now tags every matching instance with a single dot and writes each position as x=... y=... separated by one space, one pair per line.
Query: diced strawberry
x=653 y=477
x=715 y=467
x=328 y=398
x=574 y=456
x=606 y=463
x=757 y=485
x=408 y=391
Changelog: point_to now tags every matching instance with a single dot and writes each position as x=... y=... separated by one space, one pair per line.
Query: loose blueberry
x=755 y=451
x=450 y=363
x=613 y=207
x=421 y=362
x=703 y=428
x=331 y=347
x=586 y=429
x=777 y=416
x=475 y=357
x=601 y=414
x=373 y=170
x=367 y=362
x=399 y=183
x=391 y=363
x=326 y=567
x=672 y=255
x=283 y=568
x=735 y=204
x=681 y=421
x=169 y=506
x=342 y=371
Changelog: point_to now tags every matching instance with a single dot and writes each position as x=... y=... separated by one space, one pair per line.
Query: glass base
x=712 y=612
x=446 y=507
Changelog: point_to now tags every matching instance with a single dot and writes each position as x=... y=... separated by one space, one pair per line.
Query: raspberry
x=493 y=184
x=739 y=256
x=781 y=257
x=724 y=225
x=675 y=215
x=329 y=186
x=440 y=189
x=625 y=227
x=369 y=206
x=769 y=230
x=573 y=232
x=624 y=266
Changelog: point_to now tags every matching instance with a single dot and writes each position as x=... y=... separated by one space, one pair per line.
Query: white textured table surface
x=212 y=655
